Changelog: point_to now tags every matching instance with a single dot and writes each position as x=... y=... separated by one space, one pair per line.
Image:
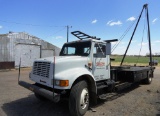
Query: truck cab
x=97 y=62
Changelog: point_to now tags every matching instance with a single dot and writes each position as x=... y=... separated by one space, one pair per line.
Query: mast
x=146 y=8
x=149 y=37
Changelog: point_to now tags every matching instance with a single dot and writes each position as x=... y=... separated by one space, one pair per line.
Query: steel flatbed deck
x=131 y=73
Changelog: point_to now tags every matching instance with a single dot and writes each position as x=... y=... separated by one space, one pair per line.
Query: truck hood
x=63 y=63
x=59 y=67
x=62 y=58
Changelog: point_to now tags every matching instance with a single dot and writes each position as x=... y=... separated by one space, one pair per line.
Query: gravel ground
x=138 y=100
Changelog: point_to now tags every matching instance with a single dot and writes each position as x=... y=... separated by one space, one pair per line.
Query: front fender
x=72 y=75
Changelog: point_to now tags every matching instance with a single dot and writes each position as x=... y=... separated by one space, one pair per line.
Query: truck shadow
x=158 y=105
x=115 y=95
x=30 y=106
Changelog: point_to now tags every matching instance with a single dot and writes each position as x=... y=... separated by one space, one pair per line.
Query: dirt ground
x=138 y=100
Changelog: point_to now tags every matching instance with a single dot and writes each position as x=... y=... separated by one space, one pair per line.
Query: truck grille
x=41 y=69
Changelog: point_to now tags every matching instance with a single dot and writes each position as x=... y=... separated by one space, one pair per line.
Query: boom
x=145 y=6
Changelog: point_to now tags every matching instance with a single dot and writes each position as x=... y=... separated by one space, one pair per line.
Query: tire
x=79 y=99
x=40 y=97
x=148 y=80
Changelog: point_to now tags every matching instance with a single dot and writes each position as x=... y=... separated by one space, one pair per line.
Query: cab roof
x=86 y=40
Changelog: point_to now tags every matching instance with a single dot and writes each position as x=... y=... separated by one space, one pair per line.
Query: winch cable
x=122 y=37
x=144 y=27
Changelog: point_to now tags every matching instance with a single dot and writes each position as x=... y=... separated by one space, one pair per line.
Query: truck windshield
x=76 y=49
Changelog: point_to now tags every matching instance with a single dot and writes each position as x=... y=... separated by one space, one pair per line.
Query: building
x=14 y=46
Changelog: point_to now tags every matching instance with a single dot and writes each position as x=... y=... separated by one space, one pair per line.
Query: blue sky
x=107 y=19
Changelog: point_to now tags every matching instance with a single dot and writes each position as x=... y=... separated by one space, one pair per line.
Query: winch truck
x=82 y=73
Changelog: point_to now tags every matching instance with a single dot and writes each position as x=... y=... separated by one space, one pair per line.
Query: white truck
x=83 y=72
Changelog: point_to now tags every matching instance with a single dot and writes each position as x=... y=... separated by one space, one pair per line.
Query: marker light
x=90 y=64
x=62 y=83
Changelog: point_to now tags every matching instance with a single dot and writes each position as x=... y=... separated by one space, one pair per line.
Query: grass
x=131 y=60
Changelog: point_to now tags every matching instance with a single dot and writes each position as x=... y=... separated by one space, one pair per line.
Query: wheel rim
x=84 y=99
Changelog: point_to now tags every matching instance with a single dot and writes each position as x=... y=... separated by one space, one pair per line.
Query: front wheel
x=79 y=99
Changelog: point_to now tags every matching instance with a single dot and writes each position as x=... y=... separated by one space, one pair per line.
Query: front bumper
x=41 y=91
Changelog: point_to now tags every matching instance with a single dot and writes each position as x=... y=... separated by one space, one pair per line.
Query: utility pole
x=68 y=32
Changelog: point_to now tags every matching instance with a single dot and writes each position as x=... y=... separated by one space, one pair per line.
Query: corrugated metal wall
x=6 y=49
x=10 y=48
x=6 y=53
x=47 y=53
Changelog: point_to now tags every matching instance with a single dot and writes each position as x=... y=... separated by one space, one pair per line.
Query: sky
x=105 y=19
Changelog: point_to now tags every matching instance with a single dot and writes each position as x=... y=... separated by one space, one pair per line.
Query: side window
x=86 y=51
x=69 y=50
x=99 y=50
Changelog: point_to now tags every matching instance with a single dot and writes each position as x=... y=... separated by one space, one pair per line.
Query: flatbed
x=131 y=73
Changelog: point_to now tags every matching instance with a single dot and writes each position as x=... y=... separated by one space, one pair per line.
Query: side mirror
x=108 y=48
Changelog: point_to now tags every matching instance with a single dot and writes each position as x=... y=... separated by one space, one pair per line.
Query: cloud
x=131 y=19
x=94 y=21
x=1 y=27
x=157 y=41
x=143 y=44
x=154 y=20
x=122 y=43
x=134 y=41
x=111 y=23
x=59 y=37
x=122 y=47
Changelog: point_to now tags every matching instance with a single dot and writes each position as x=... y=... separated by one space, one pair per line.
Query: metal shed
x=28 y=47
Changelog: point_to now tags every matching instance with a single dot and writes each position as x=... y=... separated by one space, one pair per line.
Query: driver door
x=100 y=62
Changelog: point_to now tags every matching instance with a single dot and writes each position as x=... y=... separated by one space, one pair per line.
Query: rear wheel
x=79 y=99
x=148 y=80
